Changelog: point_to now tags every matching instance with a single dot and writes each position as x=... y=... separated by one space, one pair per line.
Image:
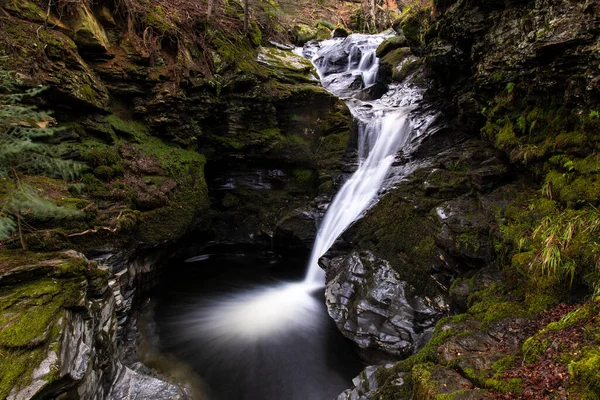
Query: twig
x=47 y=14
x=105 y=228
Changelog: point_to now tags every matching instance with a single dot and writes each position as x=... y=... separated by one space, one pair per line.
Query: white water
x=383 y=130
x=251 y=316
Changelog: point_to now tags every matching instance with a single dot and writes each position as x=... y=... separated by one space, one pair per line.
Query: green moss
x=178 y=162
x=133 y=129
x=503 y=364
x=72 y=202
x=423 y=385
x=16 y=367
x=30 y=313
x=459 y=394
x=26 y=10
x=237 y=55
x=31 y=324
x=157 y=19
x=570 y=319
x=415 y=23
x=468 y=239
x=101 y=155
x=506 y=137
x=105 y=172
x=255 y=34
x=230 y=200
x=511 y=386
x=584 y=371
x=89 y=95
x=570 y=139
x=186 y=207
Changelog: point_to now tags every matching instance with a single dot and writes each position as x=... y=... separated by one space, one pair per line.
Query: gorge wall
x=502 y=222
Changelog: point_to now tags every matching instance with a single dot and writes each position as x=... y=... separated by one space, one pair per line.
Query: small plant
x=23 y=151
x=560 y=254
x=510 y=86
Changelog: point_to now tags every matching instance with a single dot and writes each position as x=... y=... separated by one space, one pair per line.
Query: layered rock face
x=146 y=119
x=59 y=332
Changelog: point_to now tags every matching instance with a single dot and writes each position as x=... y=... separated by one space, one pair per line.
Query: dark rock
x=340 y=32
x=366 y=384
x=373 y=308
x=372 y=92
x=296 y=230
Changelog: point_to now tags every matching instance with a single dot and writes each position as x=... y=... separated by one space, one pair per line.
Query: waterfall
x=347 y=67
x=383 y=130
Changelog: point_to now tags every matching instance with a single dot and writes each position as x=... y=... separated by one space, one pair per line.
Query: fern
x=23 y=150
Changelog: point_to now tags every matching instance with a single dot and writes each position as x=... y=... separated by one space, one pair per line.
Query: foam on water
x=256 y=314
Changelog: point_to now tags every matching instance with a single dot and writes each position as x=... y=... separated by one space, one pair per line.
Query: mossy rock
x=35 y=291
x=287 y=66
x=88 y=33
x=393 y=43
x=303 y=33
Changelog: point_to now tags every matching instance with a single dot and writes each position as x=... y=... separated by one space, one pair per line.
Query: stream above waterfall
x=260 y=335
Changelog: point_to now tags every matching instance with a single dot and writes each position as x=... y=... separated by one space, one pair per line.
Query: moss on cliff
x=32 y=307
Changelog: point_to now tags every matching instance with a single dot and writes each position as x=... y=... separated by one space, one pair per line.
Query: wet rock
x=372 y=92
x=366 y=384
x=373 y=308
x=340 y=32
x=130 y=385
x=465 y=229
x=335 y=61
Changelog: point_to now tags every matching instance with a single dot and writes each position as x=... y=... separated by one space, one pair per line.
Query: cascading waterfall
x=383 y=129
x=250 y=324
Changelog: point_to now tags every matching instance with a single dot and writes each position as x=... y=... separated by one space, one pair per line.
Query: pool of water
x=229 y=314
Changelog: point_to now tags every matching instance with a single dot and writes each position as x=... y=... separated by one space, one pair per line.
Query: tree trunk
x=211 y=8
x=23 y=244
x=246 y=15
x=373 y=10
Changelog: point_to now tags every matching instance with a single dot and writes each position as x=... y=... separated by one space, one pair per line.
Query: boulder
x=303 y=33
x=340 y=32
x=287 y=64
x=393 y=43
x=374 y=308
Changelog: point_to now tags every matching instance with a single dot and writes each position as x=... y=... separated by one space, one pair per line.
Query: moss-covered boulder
x=303 y=33
x=290 y=65
x=392 y=43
